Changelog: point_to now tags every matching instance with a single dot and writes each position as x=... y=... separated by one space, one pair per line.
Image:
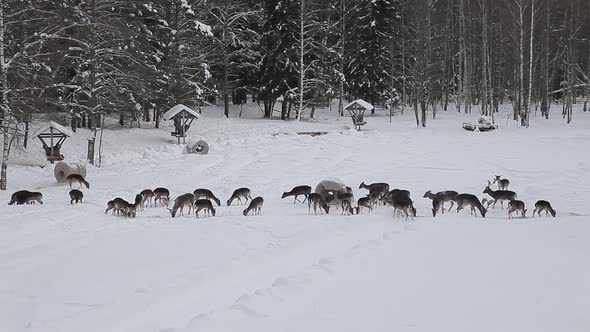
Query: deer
x=347 y=207
x=403 y=203
x=516 y=206
x=378 y=186
x=298 y=191
x=204 y=204
x=502 y=183
x=440 y=198
x=180 y=202
x=374 y=198
x=79 y=179
x=255 y=206
x=500 y=195
x=76 y=195
x=148 y=196
x=239 y=194
x=398 y=193
x=162 y=195
x=341 y=196
x=26 y=197
x=118 y=205
x=206 y=194
x=364 y=202
x=316 y=200
x=542 y=205
x=138 y=202
x=464 y=200
x=131 y=210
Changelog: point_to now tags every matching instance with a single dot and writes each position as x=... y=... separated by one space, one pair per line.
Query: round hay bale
x=63 y=169
x=330 y=186
x=200 y=147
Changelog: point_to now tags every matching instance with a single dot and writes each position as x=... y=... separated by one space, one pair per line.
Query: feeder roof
x=45 y=129
x=359 y=104
x=177 y=110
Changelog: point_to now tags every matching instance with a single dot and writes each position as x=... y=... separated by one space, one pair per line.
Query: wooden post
x=90 y=156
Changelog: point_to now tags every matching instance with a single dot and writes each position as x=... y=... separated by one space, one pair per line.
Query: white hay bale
x=330 y=186
x=63 y=169
x=200 y=147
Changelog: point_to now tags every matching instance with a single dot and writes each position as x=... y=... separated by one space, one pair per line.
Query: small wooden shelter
x=183 y=118
x=357 y=110
x=52 y=135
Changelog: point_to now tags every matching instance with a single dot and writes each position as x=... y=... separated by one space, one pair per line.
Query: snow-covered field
x=73 y=268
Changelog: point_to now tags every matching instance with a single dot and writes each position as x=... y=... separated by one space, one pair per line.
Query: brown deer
x=464 y=200
x=239 y=194
x=206 y=194
x=347 y=207
x=79 y=179
x=255 y=206
x=544 y=206
x=148 y=196
x=516 y=206
x=502 y=183
x=316 y=200
x=118 y=205
x=378 y=187
x=403 y=203
x=26 y=197
x=204 y=204
x=162 y=195
x=440 y=198
x=180 y=202
x=500 y=195
x=364 y=202
x=298 y=191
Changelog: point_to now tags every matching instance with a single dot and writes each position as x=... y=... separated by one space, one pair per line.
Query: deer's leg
x=305 y=199
x=502 y=204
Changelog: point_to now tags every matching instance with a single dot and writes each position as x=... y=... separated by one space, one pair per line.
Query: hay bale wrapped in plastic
x=63 y=169
x=330 y=186
x=200 y=147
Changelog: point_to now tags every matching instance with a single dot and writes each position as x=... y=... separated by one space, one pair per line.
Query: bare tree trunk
x=466 y=59
x=6 y=116
x=530 y=89
x=342 y=39
x=301 y=54
x=545 y=101
x=484 y=58
x=518 y=112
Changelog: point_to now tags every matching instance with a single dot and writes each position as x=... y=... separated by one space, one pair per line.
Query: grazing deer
x=379 y=187
x=206 y=194
x=440 y=198
x=180 y=202
x=500 y=195
x=464 y=200
x=76 y=195
x=239 y=194
x=543 y=206
x=398 y=193
x=340 y=196
x=255 y=206
x=516 y=206
x=138 y=202
x=131 y=210
x=298 y=191
x=347 y=207
x=204 y=204
x=364 y=202
x=118 y=205
x=26 y=197
x=148 y=196
x=316 y=200
x=404 y=204
x=502 y=183
x=162 y=195
x=77 y=178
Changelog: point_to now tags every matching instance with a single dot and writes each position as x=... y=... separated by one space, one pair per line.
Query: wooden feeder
x=52 y=135
x=357 y=110
x=183 y=118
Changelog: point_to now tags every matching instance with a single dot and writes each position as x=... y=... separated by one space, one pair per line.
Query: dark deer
x=516 y=206
x=76 y=196
x=79 y=179
x=440 y=198
x=161 y=195
x=316 y=200
x=239 y=194
x=255 y=206
x=544 y=206
x=464 y=200
x=180 y=202
x=204 y=204
x=206 y=194
x=298 y=191
x=500 y=195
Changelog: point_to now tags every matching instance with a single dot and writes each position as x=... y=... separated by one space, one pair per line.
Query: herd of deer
x=400 y=200
x=379 y=195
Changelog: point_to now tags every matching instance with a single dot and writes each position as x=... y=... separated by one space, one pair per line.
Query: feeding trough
x=52 y=135
x=483 y=124
x=200 y=147
x=357 y=110
x=183 y=118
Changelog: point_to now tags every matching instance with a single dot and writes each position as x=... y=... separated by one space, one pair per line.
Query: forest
x=79 y=60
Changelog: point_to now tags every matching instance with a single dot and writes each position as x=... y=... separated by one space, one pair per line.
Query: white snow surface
x=72 y=268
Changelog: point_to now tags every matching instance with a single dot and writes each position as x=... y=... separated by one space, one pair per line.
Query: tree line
x=137 y=58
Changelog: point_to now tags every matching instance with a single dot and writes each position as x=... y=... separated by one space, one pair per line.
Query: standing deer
x=298 y=191
x=464 y=200
x=502 y=183
x=161 y=195
x=255 y=206
x=206 y=194
x=544 y=206
x=316 y=200
x=500 y=195
x=402 y=203
x=347 y=207
x=148 y=196
x=516 y=206
x=76 y=195
x=180 y=202
x=204 y=204
x=26 y=197
x=239 y=194
x=378 y=187
x=364 y=202
x=440 y=198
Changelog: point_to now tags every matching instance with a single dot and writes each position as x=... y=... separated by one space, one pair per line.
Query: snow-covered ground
x=73 y=268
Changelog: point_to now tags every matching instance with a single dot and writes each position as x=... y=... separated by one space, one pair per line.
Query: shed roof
x=359 y=103
x=179 y=109
x=44 y=129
